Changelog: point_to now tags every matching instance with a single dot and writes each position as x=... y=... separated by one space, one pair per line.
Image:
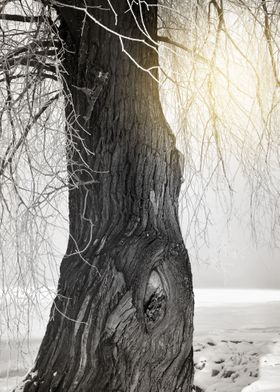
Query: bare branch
x=170 y=41
x=32 y=60
x=9 y=155
x=24 y=18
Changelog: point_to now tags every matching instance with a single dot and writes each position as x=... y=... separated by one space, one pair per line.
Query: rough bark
x=122 y=319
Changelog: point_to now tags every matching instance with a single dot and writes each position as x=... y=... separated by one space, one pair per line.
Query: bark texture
x=122 y=319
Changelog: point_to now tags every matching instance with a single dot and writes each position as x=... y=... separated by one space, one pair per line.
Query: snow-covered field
x=233 y=329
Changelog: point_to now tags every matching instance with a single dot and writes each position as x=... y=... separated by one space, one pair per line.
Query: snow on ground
x=229 y=363
x=233 y=330
x=16 y=358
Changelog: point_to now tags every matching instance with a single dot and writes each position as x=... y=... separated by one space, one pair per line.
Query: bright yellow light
x=222 y=98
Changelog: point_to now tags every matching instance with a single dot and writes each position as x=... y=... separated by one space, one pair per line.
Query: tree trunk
x=122 y=319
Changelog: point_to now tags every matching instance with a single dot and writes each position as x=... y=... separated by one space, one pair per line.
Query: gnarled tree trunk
x=122 y=319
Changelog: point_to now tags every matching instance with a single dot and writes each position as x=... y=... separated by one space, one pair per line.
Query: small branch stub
x=92 y=94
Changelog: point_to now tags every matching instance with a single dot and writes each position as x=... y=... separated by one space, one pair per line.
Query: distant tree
x=82 y=111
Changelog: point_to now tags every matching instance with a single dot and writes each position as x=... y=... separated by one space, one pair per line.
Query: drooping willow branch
x=198 y=57
x=268 y=36
x=11 y=150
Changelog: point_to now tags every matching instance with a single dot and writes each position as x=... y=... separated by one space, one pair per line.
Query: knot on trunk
x=154 y=301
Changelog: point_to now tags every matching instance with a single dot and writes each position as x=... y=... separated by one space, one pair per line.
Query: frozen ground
x=233 y=329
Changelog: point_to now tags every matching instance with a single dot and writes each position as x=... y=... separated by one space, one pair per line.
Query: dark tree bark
x=122 y=319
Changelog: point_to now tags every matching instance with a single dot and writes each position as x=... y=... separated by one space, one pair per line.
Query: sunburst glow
x=226 y=109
